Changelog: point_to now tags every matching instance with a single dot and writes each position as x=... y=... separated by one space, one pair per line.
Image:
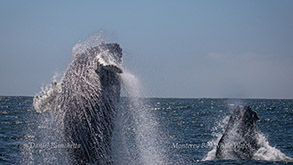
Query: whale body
x=85 y=100
x=239 y=140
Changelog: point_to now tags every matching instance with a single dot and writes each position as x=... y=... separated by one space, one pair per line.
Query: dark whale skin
x=239 y=140
x=90 y=94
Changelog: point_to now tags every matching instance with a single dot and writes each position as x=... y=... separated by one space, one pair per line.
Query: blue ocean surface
x=191 y=128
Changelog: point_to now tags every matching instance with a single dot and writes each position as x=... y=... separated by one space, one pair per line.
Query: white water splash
x=149 y=148
x=93 y=40
x=267 y=152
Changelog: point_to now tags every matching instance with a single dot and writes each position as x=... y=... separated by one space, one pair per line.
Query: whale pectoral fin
x=45 y=100
x=219 y=150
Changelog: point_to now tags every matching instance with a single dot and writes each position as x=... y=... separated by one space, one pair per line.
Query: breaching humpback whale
x=239 y=140
x=85 y=100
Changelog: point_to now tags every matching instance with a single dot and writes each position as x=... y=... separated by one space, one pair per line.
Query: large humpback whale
x=239 y=140
x=85 y=101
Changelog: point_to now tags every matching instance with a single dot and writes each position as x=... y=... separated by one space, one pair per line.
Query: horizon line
x=156 y=97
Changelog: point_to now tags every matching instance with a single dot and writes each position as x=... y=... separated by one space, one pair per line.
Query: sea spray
x=267 y=152
x=92 y=40
x=139 y=140
x=43 y=143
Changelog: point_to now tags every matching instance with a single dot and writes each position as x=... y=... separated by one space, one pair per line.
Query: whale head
x=245 y=116
x=98 y=67
x=109 y=56
x=107 y=63
x=106 y=56
x=249 y=115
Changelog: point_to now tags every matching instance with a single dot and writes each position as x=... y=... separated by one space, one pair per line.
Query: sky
x=181 y=49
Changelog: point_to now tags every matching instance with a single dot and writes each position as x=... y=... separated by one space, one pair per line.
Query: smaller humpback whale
x=239 y=140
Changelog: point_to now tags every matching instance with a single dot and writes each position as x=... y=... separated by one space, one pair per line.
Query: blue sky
x=226 y=48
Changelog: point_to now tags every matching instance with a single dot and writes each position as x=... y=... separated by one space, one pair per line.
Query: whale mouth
x=113 y=68
x=109 y=63
x=108 y=56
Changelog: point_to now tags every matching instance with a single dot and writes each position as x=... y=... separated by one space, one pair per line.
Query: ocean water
x=189 y=128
